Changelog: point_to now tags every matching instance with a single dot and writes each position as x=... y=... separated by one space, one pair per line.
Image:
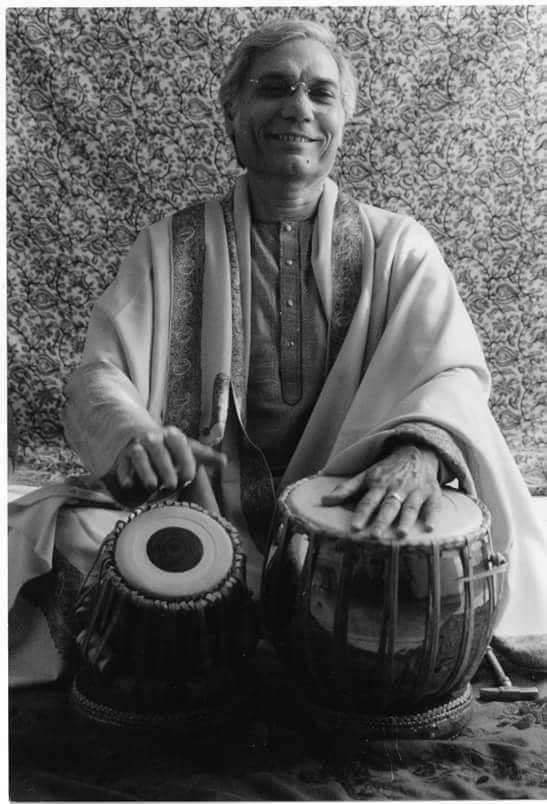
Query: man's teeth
x=290 y=138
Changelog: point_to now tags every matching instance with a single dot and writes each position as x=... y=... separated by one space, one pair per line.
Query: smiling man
x=285 y=330
x=287 y=123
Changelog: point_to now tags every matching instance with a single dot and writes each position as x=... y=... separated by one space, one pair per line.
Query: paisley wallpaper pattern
x=113 y=122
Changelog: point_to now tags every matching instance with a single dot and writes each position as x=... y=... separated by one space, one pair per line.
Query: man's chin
x=290 y=168
x=295 y=165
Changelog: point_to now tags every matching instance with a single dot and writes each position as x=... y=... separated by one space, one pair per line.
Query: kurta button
x=290 y=262
x=290 y=344
x=287 y=227
x=290 y=303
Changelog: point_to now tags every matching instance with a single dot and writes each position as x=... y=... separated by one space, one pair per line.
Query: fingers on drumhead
x=431 y=510
x=410 y=511
x=366 y=507
x=343 y=490
x=124 y=471
x=161 y=461
x=142 y=466
x=180 y=452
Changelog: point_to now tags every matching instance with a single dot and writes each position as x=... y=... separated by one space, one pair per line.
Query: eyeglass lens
x=275 y=87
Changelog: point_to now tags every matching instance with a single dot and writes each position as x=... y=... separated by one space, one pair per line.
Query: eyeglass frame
x=293 y=86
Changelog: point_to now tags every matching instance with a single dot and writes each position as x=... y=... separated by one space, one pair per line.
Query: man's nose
x=298 y=105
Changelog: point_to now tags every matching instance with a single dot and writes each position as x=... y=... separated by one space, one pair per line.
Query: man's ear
x=229 y=117
x=229 y=126
x=230 y=129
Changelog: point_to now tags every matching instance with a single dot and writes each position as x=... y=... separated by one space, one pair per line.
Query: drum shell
x=374 y=626
x=164 y=637
x=147 y=655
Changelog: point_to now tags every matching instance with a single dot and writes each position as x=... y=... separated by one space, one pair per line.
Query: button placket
x=290 y=315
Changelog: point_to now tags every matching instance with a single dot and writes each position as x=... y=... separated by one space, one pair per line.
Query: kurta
x=169 y=342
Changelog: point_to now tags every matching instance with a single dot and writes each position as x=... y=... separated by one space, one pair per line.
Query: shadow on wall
x=113 y=123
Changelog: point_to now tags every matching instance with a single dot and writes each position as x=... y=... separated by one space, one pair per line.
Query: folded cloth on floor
x=527 y=653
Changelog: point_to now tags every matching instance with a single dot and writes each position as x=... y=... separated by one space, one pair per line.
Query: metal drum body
x=166 y=623
x=385 y=626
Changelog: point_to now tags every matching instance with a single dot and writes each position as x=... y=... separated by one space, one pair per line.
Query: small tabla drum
x=381 y=636
x=166 y=625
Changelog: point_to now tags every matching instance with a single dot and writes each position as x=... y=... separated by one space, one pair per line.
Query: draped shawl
x=169 y=342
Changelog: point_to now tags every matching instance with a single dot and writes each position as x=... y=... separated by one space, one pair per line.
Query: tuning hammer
x=506 y=690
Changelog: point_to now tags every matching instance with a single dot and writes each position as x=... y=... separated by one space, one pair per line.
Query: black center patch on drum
x=174 y=549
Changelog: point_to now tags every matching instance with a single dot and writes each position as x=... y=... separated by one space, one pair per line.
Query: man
x=289 y=329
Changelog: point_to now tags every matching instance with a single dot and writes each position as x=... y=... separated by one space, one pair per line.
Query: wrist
x=426 y=454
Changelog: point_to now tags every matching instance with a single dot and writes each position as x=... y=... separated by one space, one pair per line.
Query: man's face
x=279 y=134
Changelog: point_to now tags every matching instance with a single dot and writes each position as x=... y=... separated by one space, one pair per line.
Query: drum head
x=460 y=515
x=173 y=551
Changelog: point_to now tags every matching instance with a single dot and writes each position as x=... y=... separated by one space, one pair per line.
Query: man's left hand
x=403 y=486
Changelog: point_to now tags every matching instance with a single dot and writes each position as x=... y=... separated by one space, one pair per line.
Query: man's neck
x=282 y=201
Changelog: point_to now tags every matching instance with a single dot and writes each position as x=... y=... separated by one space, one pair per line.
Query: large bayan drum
x=381 y=636
x=165 y=622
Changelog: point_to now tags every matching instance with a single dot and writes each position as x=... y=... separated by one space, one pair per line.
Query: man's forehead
x=297 y=58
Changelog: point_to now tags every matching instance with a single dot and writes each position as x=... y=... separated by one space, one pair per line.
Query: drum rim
x=185 y=718
x=195 y=601
x=445 y=717
x=482 y=533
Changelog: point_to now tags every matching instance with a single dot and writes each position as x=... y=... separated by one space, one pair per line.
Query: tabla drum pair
x=381 y=636
x=166 y=625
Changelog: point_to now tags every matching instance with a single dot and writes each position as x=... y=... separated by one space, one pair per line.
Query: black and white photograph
x=275 y=389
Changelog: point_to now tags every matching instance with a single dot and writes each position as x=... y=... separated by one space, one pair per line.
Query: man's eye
x=273 y=89
x=322 y=95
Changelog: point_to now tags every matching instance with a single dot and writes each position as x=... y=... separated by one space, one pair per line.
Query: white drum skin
x=140 y=572
x=459 y=515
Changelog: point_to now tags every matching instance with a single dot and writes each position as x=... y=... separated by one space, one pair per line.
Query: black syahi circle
x=174 y=549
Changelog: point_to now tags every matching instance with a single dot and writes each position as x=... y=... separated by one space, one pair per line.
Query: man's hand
x=159 y=458
x=402 y=485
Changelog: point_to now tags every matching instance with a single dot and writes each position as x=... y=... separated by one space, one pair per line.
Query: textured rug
x=268 y=753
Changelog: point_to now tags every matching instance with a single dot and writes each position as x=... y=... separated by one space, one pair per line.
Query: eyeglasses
x=272 y=87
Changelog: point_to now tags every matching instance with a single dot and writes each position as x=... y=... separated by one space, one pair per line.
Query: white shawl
x=411 y=354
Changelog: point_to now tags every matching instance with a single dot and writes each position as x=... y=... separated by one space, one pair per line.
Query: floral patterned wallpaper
x=113 y=122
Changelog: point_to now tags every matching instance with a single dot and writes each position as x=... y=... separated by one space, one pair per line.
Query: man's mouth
x=291 y=138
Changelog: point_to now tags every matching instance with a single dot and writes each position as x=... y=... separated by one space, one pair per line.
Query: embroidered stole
x=208 y=366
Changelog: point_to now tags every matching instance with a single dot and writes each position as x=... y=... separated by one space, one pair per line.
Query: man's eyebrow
x=276 y=74
x=288 y=77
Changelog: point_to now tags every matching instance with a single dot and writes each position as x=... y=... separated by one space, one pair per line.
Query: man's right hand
x=162 y=457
